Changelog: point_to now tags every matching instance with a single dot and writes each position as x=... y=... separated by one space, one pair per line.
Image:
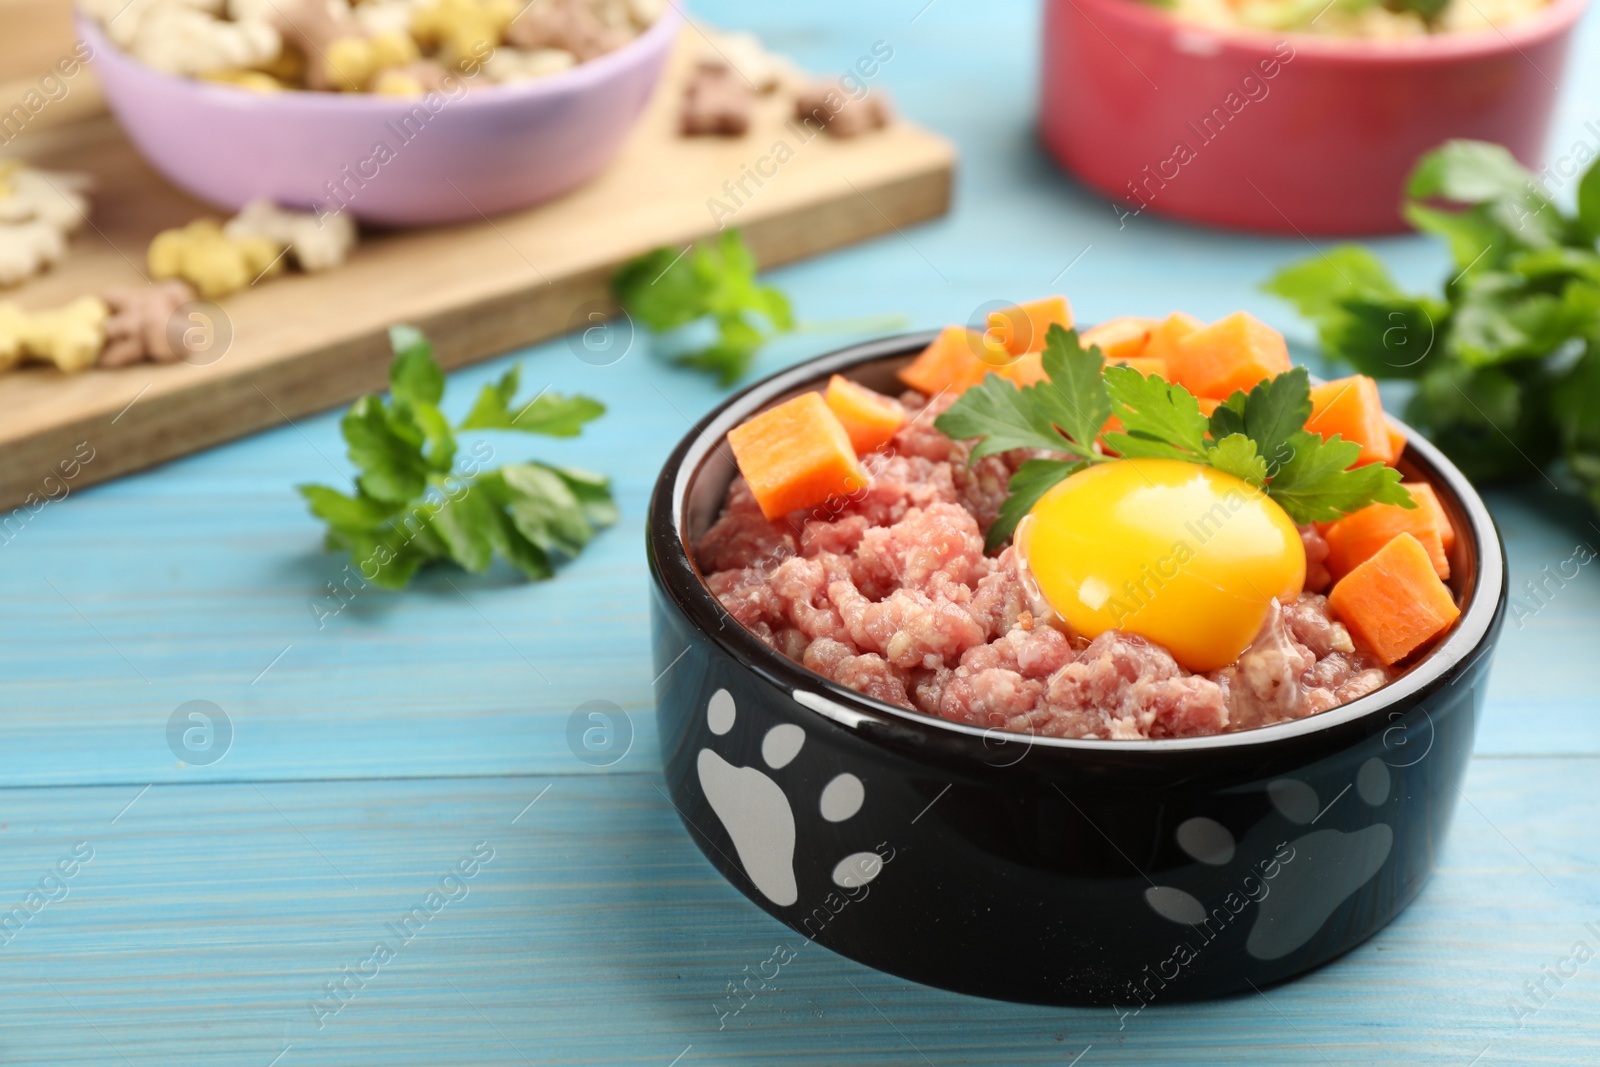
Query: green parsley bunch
x=714 y=282
x=1507 y=361
x=411 y=506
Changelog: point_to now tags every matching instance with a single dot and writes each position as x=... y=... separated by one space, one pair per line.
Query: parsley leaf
x=714 y=283
x=1074 y=394
x=411 y=507
x=1072 y=400
x=1317 y=484
x=1002 y=417
x=1318 y=286
x=1159 y=420
x=1269 y=415
x=413 y=375
x=1033 y=479
x=548 y=413
x=1236 y=454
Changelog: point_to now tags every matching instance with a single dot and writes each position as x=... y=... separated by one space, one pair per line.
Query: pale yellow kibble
x=165 y=257
x=462 y=29
x=397 y=83
x=7 y=169
x=394 y=50
x=215 y=264
x=71 y=337
x=350 y=63
x=262 y=258
x=254 y=80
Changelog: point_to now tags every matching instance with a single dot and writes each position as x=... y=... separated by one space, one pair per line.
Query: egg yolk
x=1184 y=555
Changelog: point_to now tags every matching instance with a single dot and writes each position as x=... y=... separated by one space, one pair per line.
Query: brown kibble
x=570 y=25
x=716 y=101
x=841 y=115
x=137 y=328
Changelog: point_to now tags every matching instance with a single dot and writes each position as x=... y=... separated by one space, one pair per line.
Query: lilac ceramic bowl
x=387 y=160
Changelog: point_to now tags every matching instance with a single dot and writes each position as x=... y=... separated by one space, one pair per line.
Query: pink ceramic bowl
x=476 y=152
x=1278 y=133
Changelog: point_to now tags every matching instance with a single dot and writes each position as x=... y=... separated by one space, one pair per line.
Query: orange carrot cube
x=1397 y=441
x=1120 y=339
x=952 y=362
x=1022 y=328
x=1351 y=408
x=1164 y=339
x=1231 y=354
x=1362 y=534
x=870 y=418
x=1428 y=500
x=796 y=455
x=1026 y=369
x=1394 y=602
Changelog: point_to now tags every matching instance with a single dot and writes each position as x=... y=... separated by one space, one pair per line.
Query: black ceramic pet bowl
x=1039 y=869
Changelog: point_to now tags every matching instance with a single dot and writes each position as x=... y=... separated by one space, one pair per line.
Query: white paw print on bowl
x=759 y=816
x=1327 y=865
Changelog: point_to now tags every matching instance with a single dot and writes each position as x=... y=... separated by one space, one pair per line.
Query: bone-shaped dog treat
x=140 y=326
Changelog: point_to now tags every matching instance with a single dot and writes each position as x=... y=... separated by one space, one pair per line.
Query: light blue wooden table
x=210 y=909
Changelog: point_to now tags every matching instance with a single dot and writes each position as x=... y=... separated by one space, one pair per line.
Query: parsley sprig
x=1259 y=437
x=411 y=506
x=1506 y=358
x=714 y=282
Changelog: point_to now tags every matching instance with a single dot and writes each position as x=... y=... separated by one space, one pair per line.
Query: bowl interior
x=703 y=467
x=652 y=39
x=1556 y=17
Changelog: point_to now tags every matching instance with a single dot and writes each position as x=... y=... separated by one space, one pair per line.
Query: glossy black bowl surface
x=1051 y=870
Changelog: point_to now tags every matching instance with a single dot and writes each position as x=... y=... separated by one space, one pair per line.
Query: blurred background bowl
x=487 y=150
x=1318 y=134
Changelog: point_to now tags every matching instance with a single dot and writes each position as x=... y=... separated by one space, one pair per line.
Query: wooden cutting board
x=306 y=343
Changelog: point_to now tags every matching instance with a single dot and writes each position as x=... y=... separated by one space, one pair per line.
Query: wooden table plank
x=210 y=916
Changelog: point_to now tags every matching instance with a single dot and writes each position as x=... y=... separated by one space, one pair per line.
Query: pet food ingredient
x=1351 y=408
x=1362 y=534
x=839 y=115
x=870 y=418
x=412 y=506
x=211 y=261
x=1229 y=355
x=316 y=243
x=1021 y=329
x=796 y=455
x=1257 y=436
x=1183 y=555
x=141 y=325
x=714 y=282
x=70 y=337
x=1394 y=602
x=716 y=101
x=954 y=362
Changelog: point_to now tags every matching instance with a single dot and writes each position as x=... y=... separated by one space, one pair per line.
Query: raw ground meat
x=890 y=593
